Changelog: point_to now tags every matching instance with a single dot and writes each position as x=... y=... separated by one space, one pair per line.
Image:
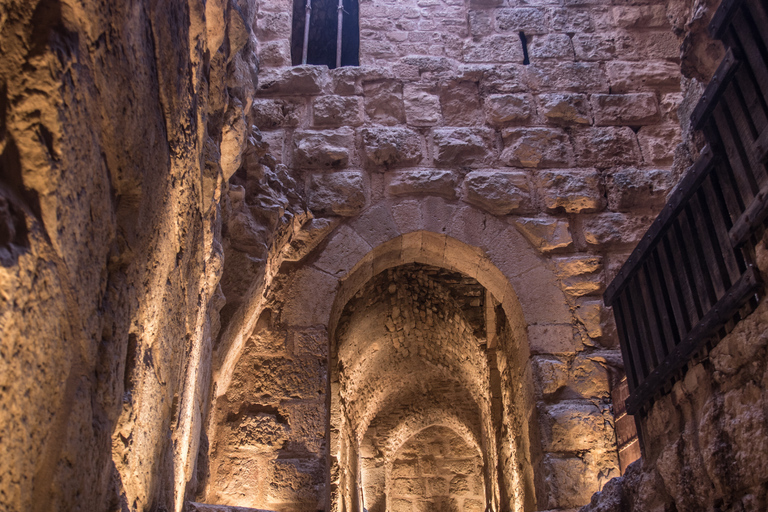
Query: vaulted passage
x=411 y=388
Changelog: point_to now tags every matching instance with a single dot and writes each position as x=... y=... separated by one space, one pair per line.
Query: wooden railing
x=692 y=276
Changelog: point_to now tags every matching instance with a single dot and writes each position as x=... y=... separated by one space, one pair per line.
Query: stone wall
x=120 y=124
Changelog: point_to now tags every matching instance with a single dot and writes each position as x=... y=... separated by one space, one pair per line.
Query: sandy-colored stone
x=422 y=181
x=536 y=147
x=573 y=191
x=498 y=192
x=338 y=193
x=546 y=233
x=392 y=146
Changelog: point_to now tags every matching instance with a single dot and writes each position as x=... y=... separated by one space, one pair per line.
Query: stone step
x=204 y=507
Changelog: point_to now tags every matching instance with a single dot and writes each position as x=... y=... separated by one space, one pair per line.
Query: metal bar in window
x=307 y=18
x=338 y=33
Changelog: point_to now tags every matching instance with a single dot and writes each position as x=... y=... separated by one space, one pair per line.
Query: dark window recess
x=323 y=33
x=524 y=41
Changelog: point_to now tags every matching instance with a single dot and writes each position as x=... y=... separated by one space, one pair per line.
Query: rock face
x=119 y=129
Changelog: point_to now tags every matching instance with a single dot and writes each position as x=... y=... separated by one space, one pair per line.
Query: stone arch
x=455 y=236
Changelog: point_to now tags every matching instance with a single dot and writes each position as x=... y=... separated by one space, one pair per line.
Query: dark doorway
x=323 y=27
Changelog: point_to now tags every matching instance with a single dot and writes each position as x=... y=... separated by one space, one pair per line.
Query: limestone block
x=625 y=109
x=566 y=109
x=551 y=374
x=460 y=103
x=307 y=421
x=553 y=76
x=570 y=481
x=422 y=108
x=408 y=486
x=376 y=225
x=407 y=216
x=267 y=341
x=606 y=147
x=590 y=314
x=267 y=114
x=498 y=192
x=669 y=104
x=630 y=188
x=574 y=426
x=552 y=338
x=258 y=432
x=342 y=253
x=580 y=275
x=615 y=228
x=480 y=22
x=508 y=108
x=384 y=102
x=275 y=54
x=345 y=81
x=574 y=191
x=337 y=111
x=589 y=379
x=650 y=44
x=658 y=143
x=493 y=49
x=338 y=193
x=462 y=146
x=641 y=16
x=296 y=480
x=580 y=21
x=551 y=46
x=311 y=298
x=277 y=378
x=546 y=233
x=310 y=342
x=422 y=181
x=501 y=78
x=327 y=148
x=273 y=25
x=594 y=47
x=632 y=76
x=531 y=20
x=396 y=146
x=294 y=81
x=536 y=147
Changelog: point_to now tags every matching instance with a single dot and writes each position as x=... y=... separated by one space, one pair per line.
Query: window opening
x=524 y=41
x=326 y=32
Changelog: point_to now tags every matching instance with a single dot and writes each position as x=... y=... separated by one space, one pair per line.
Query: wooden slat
x=726 y=307
x=675 y=300
x=627 y=344
x=640 y=320
x=723 y=176
x=760 y=147
x=653 y=324
x=706 y=240
x=756 y=106
x=758 y=16
x=722 y=17
x=688 y=296
x=751 y=53
x=717 y=214
x=754 y=216
x=696 y=272
x=747 y=133
x=716 y=87
x=747 y=185
x=660 y=292
x=687 y=186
